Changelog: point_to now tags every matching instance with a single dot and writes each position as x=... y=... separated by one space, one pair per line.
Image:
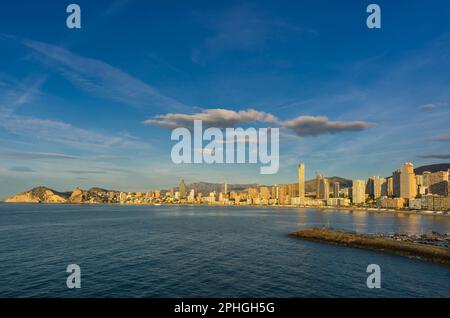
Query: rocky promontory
x=39 y=195
x=46 y=195
x=434 y=248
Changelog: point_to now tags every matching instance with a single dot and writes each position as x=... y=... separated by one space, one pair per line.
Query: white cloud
x=301 y=125
x=212 y=117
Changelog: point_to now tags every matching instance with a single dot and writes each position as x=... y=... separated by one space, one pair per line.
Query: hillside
x=432 y=168
x=38 y=195
x=206 y=187
x=310 y=185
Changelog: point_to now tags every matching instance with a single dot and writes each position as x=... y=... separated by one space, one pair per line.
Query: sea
x=205 y=251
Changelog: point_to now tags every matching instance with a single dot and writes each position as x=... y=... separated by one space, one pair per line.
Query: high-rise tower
x=182 y=189
x=408 y=187
x=301 y=180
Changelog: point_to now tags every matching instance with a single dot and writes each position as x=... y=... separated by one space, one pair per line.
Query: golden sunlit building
x=408 y=187
x=301 y=180
x=359 y=191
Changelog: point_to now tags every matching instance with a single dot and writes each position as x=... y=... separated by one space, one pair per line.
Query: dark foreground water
x=143 y=251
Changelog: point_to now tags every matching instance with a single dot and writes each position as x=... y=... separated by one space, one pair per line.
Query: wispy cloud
x=301 y=125
x=443 y=138
x=15 y=93
x=433 y=106
x=436 y=156
x=102 y=79
x=65 y=134
x=86 y=171
x=34 y=155
x=21 y=169
x=99 y=170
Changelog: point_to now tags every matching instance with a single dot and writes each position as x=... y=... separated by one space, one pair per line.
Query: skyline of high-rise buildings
x=426 y=190
x=402 y=184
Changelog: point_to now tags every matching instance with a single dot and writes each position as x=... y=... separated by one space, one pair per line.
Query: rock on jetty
x=379 y=243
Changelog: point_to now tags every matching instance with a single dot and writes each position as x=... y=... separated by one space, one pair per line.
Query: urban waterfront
x=204 y=251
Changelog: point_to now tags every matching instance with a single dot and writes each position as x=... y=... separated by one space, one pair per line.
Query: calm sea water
x=144 y=251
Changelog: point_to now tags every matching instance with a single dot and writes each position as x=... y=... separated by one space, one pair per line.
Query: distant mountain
x=207 y=187
x=432 y=168
x=310 y=185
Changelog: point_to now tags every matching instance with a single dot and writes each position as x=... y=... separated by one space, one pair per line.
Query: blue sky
x=74 y=103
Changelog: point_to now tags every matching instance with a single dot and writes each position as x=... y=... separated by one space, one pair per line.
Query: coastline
x=283 y=206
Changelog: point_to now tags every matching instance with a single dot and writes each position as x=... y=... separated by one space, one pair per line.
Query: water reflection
x=371 y=222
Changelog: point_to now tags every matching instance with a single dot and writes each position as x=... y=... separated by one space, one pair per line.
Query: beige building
x=301 y=180
x=338 y=202
x=436 y=203
x=322 y=188
x=408 y=187
x=264 y=193
x=375 y=186
x=390 y=186
x=391 y=203
x=359 y=191
x=438 y=183
x=336 y=189
x=283 y=194
x=319 y=179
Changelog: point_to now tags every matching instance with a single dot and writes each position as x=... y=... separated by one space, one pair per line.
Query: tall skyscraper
x=301 y=180
x=408 y=187
x=358 y=191
x=319 y=179
x=322 y=188
x=325 y=189
x=283 y=194
x=384 y=187
x=292 y=190
x=374 y=186
x=396 y=183
x=182 y=189
x=390 y=186
x=336 y=189
x=224 y=188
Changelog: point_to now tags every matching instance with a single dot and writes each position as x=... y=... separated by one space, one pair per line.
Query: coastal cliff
x=39 y=195
x=46 y=195
x=426 y=250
